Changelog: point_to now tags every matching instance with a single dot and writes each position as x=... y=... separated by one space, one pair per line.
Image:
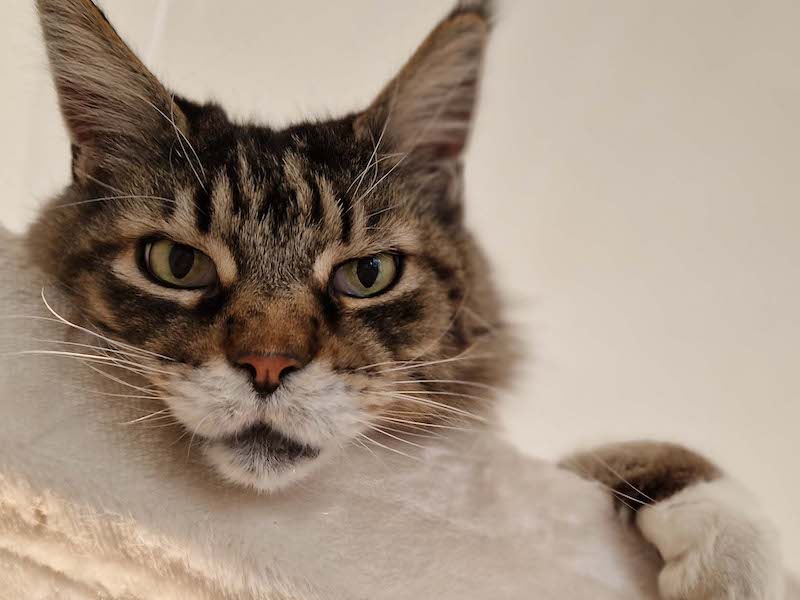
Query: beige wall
x=635 y=173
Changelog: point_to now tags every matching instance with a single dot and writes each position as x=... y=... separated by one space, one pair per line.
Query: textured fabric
x=91 y=507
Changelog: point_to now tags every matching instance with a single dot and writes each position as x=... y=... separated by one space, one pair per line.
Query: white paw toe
x=715 y=543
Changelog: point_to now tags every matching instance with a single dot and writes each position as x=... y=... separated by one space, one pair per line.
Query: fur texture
x=715 y=542
x=278 y=213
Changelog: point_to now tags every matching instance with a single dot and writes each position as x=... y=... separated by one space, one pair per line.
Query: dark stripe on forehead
x=239 y=203
x=203 y=209
x=346 y=216
x=316 y=214
x=283 y=207
x=392 y=321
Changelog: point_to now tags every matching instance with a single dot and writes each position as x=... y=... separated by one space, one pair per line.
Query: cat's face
x=289 y=292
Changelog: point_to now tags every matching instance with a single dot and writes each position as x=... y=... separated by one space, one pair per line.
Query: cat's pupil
x=368 y=270
x=181 y=259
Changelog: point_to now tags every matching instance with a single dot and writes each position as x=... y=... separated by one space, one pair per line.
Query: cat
x=292 y=290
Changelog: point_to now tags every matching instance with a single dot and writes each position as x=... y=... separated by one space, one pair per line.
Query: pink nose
x=268 y=370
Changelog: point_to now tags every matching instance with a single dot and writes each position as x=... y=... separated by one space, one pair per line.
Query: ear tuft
x=110 y=101
x=428 y=107
x=482 y=8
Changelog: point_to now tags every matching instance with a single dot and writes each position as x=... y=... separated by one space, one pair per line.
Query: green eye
x=180 y=266
x=365 y=277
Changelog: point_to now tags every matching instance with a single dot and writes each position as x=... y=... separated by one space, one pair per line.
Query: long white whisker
x=147 y=417
x=194 y=433
x=368 y=449
x=435 y=362
x=409 y=430
x=102 y=337
x=179 y=134
x=126 y=197
x=389 y=448
x=587 y=475
x=98 y=182
x=443 y=393
x=117 y=362
x=117 y=379
x=619 y=475
x=105 y=351
x=419 y=424
x=151 y=398
x=380 y=430
x=450 y=381
x=432 y=404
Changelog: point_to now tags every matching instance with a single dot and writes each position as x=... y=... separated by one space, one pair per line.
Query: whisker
x=194 y=433
x=179 y=134
x=378 y=364
x=103 y=350
x=107 y=198
x=117 y=362
x=380 y=430
x=186 y=432
x=619 y=475
x=433 y=404
x=420 y=424
x=98 y=182
x=377 y=183
x=152 y=398
x=586 y=474
x=450 y=381
x=102 y=337
x=147 y=417
x=420 y=136
x=411 y=430
x=381 y=211
x=436 y=362
x=360 y=178
x=368 y=449
x=116 y=379
x=389 y=448
x=443 y=393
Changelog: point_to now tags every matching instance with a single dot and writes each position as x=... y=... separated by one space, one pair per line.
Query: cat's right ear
x=115 y=109
x=429 y=106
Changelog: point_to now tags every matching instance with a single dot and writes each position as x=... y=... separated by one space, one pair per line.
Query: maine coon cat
x=295 y=291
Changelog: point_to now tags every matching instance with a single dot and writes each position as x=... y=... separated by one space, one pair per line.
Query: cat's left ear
x=115 y=109
x=427 y=109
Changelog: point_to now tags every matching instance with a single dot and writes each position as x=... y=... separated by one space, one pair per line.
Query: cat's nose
x=268 y=370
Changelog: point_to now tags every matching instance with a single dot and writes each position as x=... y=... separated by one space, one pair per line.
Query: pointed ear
x=114 y=107
x=428 y=107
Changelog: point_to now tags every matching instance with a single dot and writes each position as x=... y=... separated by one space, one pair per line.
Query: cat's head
x=289 y=291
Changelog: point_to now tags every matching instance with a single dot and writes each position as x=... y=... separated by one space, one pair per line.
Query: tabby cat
x=292 y=288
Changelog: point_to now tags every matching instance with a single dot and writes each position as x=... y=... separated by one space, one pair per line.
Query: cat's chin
x=261 y=458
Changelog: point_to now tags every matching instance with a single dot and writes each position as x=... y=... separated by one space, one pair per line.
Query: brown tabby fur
x=277 y=210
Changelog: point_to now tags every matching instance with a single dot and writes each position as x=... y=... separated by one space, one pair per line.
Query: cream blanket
x=92 y=507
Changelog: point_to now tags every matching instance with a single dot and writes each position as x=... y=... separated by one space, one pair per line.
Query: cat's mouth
x=261 y=457
x=262 y=438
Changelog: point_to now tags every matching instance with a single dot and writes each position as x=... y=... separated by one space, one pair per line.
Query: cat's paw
x=715 y=543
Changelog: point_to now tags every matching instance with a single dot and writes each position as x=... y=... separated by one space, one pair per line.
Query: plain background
x=634 y=174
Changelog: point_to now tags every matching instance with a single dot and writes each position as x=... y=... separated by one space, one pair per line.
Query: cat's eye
x=365 y=277
x=178 y=265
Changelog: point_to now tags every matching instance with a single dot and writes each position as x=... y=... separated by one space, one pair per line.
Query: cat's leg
x=715 y=542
